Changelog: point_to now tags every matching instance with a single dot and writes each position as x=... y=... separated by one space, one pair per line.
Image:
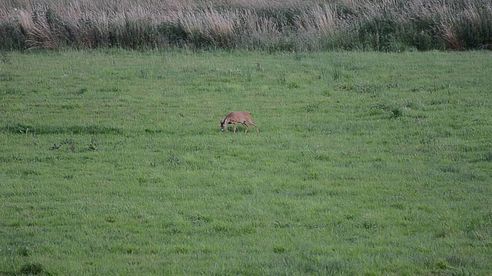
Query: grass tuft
x=32 y=269
x=396 y=113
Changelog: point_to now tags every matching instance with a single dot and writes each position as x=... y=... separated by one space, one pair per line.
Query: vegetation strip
x=387 y=25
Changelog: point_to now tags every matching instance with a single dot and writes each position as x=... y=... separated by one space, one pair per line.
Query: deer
x=238 y=117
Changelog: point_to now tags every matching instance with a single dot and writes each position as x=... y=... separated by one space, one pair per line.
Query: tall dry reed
x=387 y=25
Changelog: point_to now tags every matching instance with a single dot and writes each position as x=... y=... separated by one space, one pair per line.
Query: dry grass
x=253 y=24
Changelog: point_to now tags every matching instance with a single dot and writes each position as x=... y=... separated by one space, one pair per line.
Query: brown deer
x=239 y=117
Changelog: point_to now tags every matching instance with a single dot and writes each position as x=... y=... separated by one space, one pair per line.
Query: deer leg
x=234 y=127
x=246 y=127
x=257 y=129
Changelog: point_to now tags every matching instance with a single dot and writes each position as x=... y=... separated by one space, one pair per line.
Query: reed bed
x=385 y=25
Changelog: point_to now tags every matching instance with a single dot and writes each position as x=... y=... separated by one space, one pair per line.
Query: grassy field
x=112 y=162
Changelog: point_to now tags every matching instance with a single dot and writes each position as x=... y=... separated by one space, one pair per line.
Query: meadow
x=112 y=162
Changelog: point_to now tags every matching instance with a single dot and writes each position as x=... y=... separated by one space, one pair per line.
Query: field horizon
x=112 y=162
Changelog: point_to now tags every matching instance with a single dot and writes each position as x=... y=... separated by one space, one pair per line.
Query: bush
x=11 y=36
x=474 y=27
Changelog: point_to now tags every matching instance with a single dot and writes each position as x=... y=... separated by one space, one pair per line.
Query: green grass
x=112 y=162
